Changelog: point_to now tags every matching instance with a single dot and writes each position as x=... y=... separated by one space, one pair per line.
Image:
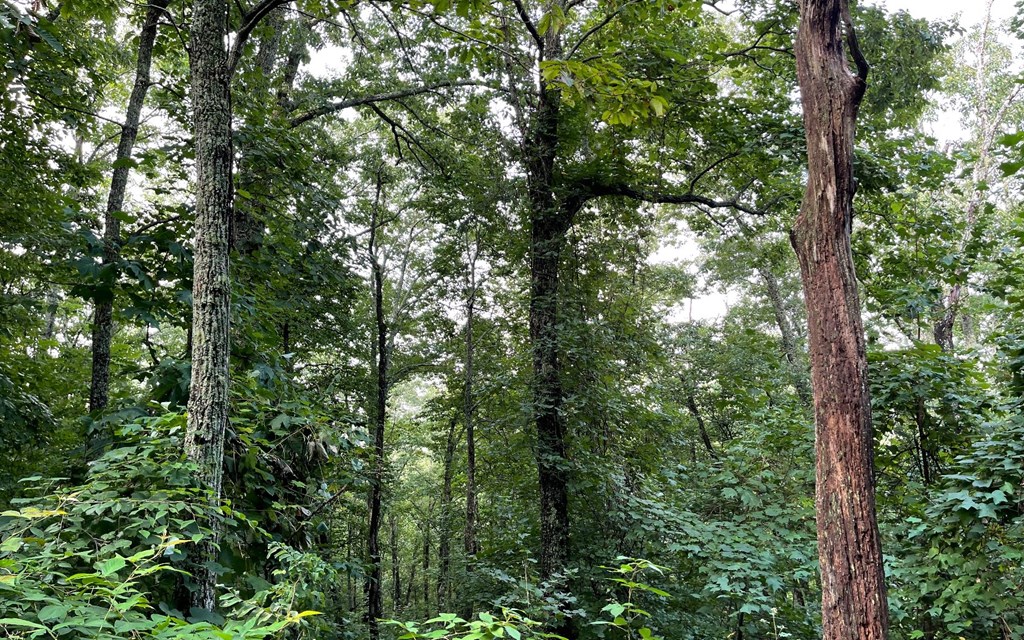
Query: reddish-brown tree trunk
x=852 y=577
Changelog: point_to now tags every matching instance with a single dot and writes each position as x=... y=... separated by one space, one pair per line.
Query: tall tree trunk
x=549 y=224
x=350 y=588
x=470 y=543
x=103 y=318
x=396 y=573
x=852 y=577
x=444 y=547
x=211 y=311
x=249 y=218
x=426 y=565
x=374 y=593
x=771 y=284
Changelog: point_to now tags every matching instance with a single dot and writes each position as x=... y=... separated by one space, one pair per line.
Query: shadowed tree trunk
x=396 y=573
x=444 y=542
x=374 y=593
x=426 y=559
x=691 y=406
x=470 y=543
x=211 y=313
x=549 y=225
x=103 y=319
x=852 y=576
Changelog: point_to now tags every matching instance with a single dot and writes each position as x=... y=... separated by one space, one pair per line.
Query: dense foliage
x=394 y=167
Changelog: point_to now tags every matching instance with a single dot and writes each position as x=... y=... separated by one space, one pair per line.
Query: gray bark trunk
x=374 y=587
x=211 y=310
x=444 y=543
x=103 y=318
x=470 y=543
x=771 y=284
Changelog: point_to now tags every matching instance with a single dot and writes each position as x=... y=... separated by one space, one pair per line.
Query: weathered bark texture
x=374 y=586
x=103 y=318
x=852 y=577
x=211 y=312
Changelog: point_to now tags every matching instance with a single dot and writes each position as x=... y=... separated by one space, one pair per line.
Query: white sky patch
x=971 y=13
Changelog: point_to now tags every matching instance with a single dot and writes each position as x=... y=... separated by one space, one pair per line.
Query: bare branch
x=597 y=27
x=382 y=97
x=249 y=22
x=525 y=17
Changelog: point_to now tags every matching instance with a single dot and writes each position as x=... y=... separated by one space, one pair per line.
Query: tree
x=211 y=287
x=849 y=547
x=103 y=323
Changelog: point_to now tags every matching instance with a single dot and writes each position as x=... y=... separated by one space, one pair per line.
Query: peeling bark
x=854 y=603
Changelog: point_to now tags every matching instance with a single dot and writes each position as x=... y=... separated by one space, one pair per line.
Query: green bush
x=102 y=559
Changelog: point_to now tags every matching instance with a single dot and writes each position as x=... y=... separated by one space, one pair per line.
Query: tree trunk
x=396 y=573
x=103 y=318
x=426 y=566
x=249 y=218
x=549 y=224
x=374 y=593
x=211 y=311
x=691 y=406
x=921 y=420
x=771 y=284
x=853 y=581
x=470 y=543
x=444 y=544
x=987 y=128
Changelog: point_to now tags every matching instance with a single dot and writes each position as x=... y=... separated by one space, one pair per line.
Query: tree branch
x=589 y=189
x=858 y=56
x=525 y=17
x=382 y=97
x=249 y=22
x=597 y=27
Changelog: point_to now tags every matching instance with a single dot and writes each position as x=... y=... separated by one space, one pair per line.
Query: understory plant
x=103 y=559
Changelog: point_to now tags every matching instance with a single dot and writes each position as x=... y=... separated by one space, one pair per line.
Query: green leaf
x=14 y=622
x=615 y=609
x=111 y=566
x=52 y=613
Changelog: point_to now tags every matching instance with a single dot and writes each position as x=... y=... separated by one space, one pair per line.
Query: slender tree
x=470 y=542
x=103 y=319
x=852 y=575
x=211 y=311
x=374 y=584
x=444 y=555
